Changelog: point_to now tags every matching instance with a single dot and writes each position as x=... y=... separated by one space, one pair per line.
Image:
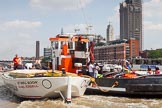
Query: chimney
x=37 y=50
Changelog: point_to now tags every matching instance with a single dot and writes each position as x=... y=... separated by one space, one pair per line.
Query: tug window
x=70 y=45
x=62 y=43
x=81 y=46
x=56 y=45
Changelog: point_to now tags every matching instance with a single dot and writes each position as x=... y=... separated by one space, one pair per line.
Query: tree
x=155 y=54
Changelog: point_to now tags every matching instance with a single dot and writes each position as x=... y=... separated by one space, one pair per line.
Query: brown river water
x=8 y=100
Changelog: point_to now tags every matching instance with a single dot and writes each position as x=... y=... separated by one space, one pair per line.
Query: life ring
x=46 y=84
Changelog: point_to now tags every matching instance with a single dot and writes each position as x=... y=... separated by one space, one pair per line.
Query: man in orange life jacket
x=16 y=61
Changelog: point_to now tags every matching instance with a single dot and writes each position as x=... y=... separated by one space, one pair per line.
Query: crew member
x=157 y=70
x=16 y=61
x=91 y=68
x=81 y=45
x=149 y=71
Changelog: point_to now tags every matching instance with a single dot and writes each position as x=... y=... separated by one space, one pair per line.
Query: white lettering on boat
x=27 y=84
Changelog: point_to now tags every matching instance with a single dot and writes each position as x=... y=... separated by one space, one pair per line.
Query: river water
x=8 y=100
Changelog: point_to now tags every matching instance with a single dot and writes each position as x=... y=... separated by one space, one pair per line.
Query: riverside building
x=117 y=50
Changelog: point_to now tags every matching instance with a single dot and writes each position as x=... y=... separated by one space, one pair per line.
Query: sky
x=23 y=22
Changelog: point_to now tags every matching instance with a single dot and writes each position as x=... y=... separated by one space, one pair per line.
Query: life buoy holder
x=46 y=84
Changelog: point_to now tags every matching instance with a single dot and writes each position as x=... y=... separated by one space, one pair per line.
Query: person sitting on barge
x=149 y=71
x=157 y=70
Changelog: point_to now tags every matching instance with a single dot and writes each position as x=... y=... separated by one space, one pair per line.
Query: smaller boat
x=69 y=54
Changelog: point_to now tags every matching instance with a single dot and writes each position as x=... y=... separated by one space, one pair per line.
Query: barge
x=141 y=85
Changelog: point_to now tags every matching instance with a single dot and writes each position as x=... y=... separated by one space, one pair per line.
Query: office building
x=131 y=21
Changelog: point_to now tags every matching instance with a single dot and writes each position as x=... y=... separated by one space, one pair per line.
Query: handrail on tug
x=116 y=83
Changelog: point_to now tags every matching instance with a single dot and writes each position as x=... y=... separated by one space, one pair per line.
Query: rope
x=116 y=83
x=104 y=90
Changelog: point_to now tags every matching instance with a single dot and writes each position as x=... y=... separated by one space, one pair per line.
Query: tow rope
x=93 y=81
x=105 y=90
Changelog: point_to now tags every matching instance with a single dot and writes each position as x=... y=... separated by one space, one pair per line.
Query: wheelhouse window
x=56 y=45
x=70 y=45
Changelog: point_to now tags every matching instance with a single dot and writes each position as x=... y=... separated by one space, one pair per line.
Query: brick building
x=117 y=50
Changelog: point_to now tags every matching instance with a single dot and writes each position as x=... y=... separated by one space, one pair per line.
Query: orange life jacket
x=130 y=75
x=16 y=60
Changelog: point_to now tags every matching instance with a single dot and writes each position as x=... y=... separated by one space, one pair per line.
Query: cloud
x=152 y=8
x=20 y=24
x=59 y=4
x=152 y=26
x=24 y=36
x=115 y=21
x=18 y=37
x=21 y=48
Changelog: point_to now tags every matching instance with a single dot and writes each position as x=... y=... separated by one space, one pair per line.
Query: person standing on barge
x=91 y=68
x=17 y=62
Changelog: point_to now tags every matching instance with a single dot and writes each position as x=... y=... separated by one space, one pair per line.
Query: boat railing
x=144 y=66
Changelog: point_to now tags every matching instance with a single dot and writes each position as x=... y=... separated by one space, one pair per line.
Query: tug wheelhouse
x=70 y=52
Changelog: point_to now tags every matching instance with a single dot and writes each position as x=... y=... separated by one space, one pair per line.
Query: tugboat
x=69 y=54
